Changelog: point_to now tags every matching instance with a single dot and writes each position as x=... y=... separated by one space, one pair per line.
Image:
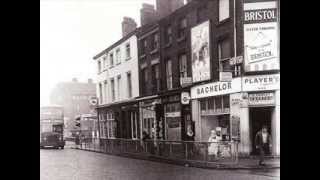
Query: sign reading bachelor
x=200 y=48
x=261 y=36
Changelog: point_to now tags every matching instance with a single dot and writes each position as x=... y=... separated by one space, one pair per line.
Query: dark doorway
x=259 y=116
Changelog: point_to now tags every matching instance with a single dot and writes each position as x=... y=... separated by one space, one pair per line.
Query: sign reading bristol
x=261 y=36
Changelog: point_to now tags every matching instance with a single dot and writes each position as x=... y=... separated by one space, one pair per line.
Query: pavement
x=72 y=164
x=243 y=163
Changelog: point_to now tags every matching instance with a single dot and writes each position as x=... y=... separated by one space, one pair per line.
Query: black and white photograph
x=160 y=89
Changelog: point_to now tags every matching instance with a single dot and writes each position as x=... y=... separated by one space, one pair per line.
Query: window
x=156 y=78
x=128 y=55
x=112 y=89
x=99 y=66
x=223 y=9
x=119 y=86
x=224 y=50
x=144 y=73
x=182 y=28
x=105 y=91
x=104 y=62
x=111 y=125
x=143 y=46
x=129 y=84
x=100 y=93
x=155 y=41
x=201 y=14
x=183 y=66
x=168 y=37
x=169 y=74
x=118 y=56
x=111 y=59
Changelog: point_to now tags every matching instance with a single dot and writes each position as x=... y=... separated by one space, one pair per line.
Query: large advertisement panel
x=261 y=49
x=200 y=48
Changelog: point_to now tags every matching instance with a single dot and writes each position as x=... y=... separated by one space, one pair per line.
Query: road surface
x=71 y=164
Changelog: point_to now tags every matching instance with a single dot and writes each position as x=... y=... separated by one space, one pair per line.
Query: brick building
x=74 y=97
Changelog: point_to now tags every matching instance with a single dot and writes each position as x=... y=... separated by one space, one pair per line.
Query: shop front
x=211 y=108
x=261 y=104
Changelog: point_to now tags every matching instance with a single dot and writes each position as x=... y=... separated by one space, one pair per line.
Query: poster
x=200 y=48
x=261 y=36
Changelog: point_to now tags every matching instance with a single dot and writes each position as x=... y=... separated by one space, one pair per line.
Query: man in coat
x=263 y=143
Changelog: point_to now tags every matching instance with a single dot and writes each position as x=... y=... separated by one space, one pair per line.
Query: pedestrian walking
x=213 y=147
x=263 y=143
x=145 y=137
x=190 y=137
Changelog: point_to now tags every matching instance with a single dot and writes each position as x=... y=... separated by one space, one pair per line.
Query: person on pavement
x=263 y=143
x=213 y=145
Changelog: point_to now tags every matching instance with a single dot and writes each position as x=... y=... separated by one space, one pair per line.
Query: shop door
x=259 y=116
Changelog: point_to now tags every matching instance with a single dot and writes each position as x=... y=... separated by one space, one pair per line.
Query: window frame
x=169 y=75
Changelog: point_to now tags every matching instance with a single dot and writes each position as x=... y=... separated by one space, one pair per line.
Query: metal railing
x=197 y=151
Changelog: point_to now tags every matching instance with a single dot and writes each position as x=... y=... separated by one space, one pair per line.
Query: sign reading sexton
x=261 y=36
x=200 y=49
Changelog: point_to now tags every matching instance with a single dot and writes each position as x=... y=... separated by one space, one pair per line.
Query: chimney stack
x=75 y=80
x=166 y=7
x=147 y=14
x=128 y=25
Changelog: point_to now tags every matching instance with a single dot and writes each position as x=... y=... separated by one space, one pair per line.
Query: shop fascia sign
x=173 y=114
x=216 y=88
x=261 y=82
x=185 y=98
x=261 y=99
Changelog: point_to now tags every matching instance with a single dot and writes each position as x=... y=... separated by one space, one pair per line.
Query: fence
x=221 y=152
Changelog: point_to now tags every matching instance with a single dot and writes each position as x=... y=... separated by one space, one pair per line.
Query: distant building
x=74 y=97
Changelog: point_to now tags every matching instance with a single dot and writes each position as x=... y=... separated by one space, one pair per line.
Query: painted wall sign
x=261 y=99
x=261 y=36
x=261 y=82
x=216 y=88
x=200 y=50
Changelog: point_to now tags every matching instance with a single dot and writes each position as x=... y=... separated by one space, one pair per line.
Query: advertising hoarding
x=261 y=49
x=200 y=49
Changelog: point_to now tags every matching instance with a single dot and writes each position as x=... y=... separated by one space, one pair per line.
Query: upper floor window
x=128 y=51
x=155 y=41
x=100 y=93
x=118 y=56
x=156 y=78
x=112 y=90
x=168 y=36
x=119 y=86
x=201 y=14
x=129 y=84
x=182 y=28
x=169 y=73
x=143 y=46
x=105 y=91
x=111 y=59
x=223 y=9
x=183 y=66
x=144 y=76
x=99 y=67
x=104 y=61
x=224 y=50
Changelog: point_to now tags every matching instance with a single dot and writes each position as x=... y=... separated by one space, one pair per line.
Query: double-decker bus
x=51 y=127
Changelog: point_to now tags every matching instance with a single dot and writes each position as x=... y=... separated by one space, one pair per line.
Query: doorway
x=259 y=116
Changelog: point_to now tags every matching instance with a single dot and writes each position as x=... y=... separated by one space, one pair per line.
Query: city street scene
x=159 y=89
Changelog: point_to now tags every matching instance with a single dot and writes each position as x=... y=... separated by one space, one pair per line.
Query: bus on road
x=51 y=127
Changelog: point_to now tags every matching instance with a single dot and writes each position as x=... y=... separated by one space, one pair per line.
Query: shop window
x=111 y=125
x=218 y=103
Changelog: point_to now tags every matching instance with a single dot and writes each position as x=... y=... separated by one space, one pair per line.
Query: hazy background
x=73 y=31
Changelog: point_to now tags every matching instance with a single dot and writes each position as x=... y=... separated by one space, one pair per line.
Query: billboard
x=261 y=48
x=200 y=49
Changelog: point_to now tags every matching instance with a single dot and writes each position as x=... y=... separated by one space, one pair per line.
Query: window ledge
x=181 y=39
x=142 y=56
x=219 y=23
x=154 y=51
x=168 y=45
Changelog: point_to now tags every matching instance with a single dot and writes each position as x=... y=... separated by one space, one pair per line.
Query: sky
x=72 y=32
